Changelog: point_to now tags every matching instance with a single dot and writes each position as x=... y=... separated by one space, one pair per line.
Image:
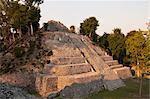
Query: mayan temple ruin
x=75 y=59
x=74 y=49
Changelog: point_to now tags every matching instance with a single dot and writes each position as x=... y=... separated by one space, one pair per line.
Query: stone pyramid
x=76 y=60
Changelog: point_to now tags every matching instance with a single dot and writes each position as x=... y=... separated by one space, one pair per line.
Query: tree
x=135 y=47
x=72 y=29
x=33 y=2
x=45 y=25
x=22 y=17
x=116 y=42
x=19 y=18
x=103 y=42
x=89 y=26
x=34 y=17
x=138 y=47
x=33 y=12
x=5 y=20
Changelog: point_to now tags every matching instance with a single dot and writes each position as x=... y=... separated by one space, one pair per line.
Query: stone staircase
x=110 y=78
x=122 y=72
x=66 y=69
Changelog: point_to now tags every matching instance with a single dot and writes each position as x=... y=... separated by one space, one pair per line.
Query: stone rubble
x=78 y=91
x=11 y=92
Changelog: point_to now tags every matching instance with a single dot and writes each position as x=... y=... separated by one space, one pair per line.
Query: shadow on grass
x=130 y=91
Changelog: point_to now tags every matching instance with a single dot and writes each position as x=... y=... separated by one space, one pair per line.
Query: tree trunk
x=90 y=35
x=31 y=28
x=28 y=30
x=13 y=36
x=140 y=87
x=20 y=32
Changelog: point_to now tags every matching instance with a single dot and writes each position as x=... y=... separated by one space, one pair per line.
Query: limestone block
x=123 y=72
x=86 y=77
x=78 y=91
x=112 y=62
x=71 y=69
x=66 y=60
x=107 y=58
x=64 y=81
x=112 y=80
x=116 y=66
x=66 y=52
x=77 y=78
x=46 y=84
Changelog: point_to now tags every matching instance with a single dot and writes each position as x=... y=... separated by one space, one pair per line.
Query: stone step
x=107 y=58
x=84 y=75
x=67 y=60
x=70 y=65
x=66 y=52
x=114 y=84
x=116 y=66
x=67 y=80
x=112 y=80
x=123 y=72
x=70 y=69
x=113 y=62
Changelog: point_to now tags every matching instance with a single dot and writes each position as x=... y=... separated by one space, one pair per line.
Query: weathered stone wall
x=123 y=72
x=46 y=84
x=64 y=81
x=66 y=60
x=66 y=52
x=77 y=78
x=78 y=91
x=71 y=69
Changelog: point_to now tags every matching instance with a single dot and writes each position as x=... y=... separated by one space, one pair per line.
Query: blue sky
x=125 y=14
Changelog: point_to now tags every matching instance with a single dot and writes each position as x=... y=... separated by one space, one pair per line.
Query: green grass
x=130 y=91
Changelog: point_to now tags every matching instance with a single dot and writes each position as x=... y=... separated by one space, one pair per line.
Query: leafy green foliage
x=72 y=29
x=33 y=2
x=88 y=27
x=19 y=51
x=19 y=16
x=139 y=50
x=134 y=45
x=103 y=41
x=45 y=25
x=116 y=42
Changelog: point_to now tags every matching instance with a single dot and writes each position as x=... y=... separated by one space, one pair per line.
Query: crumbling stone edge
x=79 y=90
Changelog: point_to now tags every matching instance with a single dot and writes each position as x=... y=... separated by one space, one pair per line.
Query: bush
x=6 y=63
x=18 y=51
